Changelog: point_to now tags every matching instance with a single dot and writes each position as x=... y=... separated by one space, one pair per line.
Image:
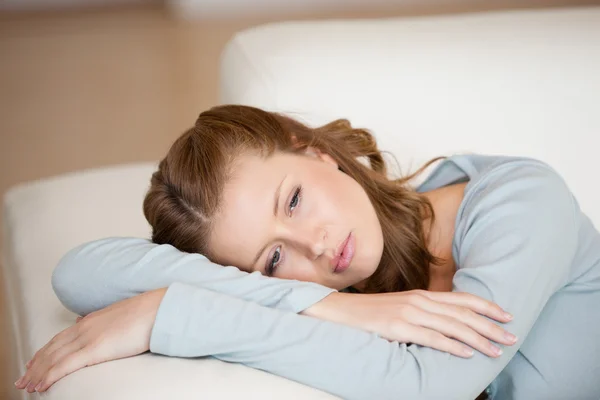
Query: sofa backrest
x=516 y=83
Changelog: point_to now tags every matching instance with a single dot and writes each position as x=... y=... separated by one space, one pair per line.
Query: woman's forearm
x=347 y=362
x=97 y=274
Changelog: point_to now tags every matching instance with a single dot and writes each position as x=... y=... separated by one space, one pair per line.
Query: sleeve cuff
x=300 y=300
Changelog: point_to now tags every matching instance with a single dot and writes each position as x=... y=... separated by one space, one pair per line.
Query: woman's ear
x=314 y=152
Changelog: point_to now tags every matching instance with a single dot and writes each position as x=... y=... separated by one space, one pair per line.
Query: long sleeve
x=515 y=241
x=97 y=274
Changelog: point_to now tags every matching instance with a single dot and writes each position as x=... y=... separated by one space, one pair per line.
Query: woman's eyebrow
x=277 y=193
x=275 y=209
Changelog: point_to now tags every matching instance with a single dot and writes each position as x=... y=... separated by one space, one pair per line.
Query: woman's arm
x=518 y=235
x=96 y=274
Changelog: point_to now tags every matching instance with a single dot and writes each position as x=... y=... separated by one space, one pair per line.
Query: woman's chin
x=360 y=286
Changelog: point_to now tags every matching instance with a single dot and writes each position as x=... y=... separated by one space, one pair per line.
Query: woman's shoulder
x=522 y=174
x=516 y=204
x=480 y=167
x=515 y=190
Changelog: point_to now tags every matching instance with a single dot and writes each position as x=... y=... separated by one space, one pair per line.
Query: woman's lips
x=344 y=254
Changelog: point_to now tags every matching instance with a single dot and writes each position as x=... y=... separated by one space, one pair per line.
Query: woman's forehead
x=247 y=205
x=256 y=168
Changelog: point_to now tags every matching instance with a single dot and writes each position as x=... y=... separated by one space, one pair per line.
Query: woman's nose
x=309 y=240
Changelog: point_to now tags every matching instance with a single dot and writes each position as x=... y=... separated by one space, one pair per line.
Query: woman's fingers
x=54 y=361
x=481 y=325
x=416 y=316
x=60 y=339
x=457 y=322
x=436 y=340
x=45 y=362
x=50 y=353
x=470 y=301
x=70 y=363
x=453 y=328
x=478 y=323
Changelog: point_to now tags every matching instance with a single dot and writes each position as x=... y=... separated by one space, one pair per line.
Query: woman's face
x=296 y=216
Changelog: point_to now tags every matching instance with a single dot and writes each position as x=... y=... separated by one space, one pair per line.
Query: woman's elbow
x=66 y=283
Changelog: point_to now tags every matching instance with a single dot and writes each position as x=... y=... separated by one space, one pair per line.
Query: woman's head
x=263 y=192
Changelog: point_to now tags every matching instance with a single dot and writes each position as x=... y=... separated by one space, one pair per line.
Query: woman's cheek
x=299 y=269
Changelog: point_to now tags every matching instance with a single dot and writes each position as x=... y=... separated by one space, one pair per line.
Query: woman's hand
x=118 y=331
x=440 y=320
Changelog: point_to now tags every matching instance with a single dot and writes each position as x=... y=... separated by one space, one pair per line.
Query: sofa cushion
x=520 y=83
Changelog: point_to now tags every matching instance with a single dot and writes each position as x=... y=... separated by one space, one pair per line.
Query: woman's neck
x=445 y=202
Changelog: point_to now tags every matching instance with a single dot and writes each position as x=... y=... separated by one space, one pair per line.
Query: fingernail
x=39 y=385
x=508 y=316
x=496 y=350
x=467 y=352
x=28 y=364
x=510 y=337
x=17 y=382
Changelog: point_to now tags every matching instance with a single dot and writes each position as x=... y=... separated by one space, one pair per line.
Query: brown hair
x=186 y=191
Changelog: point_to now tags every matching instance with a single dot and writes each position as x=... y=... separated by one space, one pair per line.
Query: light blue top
x=521 y=241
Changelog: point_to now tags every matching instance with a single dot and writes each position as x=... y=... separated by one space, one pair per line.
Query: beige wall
x=81 y=90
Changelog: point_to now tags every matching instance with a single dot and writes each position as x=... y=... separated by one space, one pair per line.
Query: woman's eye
x=274 y=261
x=295 y=198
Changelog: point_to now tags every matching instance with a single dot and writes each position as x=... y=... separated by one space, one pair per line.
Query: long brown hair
x=186 y=191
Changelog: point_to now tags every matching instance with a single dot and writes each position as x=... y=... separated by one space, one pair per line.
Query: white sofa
x=525 y=83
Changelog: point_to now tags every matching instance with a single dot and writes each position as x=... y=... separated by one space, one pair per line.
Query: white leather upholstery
x=517 y=83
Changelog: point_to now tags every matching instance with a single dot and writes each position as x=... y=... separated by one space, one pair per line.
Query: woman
x=302 y=214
